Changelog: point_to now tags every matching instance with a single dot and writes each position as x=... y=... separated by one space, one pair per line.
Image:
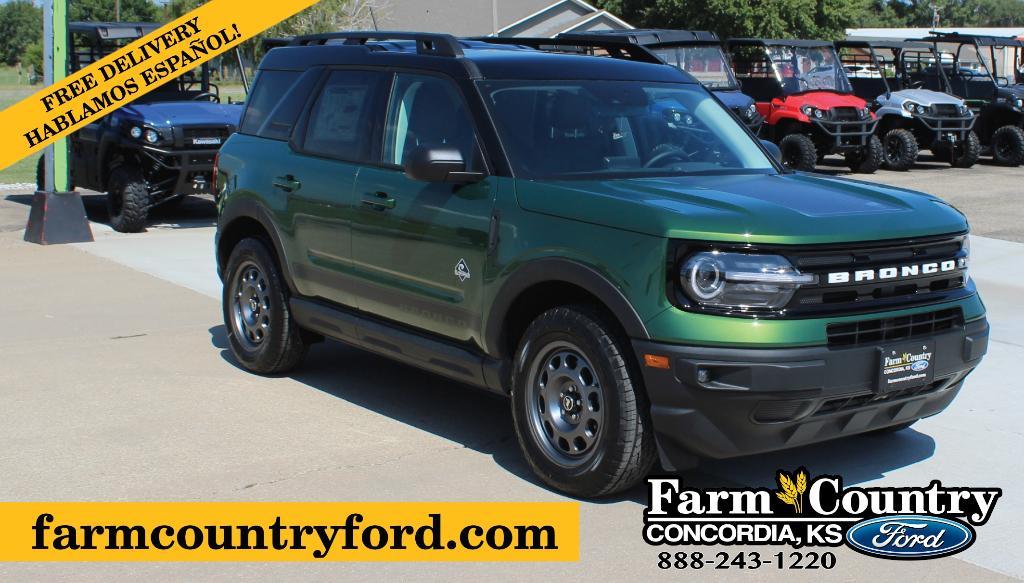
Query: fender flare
x=548 y=270
x=247 y=208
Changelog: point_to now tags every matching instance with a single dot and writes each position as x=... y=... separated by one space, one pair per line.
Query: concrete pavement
x=116 y=385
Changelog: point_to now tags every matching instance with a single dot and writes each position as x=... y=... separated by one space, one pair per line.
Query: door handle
x=287 y=183
x=380 y=201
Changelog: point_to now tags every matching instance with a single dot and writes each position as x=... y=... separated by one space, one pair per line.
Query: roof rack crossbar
x=442 y=45
x=620 y=49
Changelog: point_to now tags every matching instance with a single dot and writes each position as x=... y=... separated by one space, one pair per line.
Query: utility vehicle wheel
x=262 y=333
x=895 y=428
x=798 y=152
x=900 y=149
x=127 y=200
x=1008 y=146
x=580 y=411
x=867 y=159
x=966 y=153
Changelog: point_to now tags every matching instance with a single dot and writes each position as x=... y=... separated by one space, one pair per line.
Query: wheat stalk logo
x=792 y=491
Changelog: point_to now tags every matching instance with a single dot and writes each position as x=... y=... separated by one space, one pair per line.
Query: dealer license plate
x=902 y=366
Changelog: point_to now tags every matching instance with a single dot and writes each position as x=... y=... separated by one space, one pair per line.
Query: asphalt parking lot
x=117 y=385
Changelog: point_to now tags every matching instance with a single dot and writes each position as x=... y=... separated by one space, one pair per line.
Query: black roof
x=113 y=30
x=652 y=36
x=884 y=44
x=465 y=58
x=983 y=40
x=773 y=42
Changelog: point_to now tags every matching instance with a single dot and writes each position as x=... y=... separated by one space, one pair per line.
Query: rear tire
x=900 y=150
x=262 y=333
x=1008 y=146
x=581 y=415
x=868 y=159
x=127 y=200
x=799 y=152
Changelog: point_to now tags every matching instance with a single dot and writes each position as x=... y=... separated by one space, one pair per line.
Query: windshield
x=808 y=68
x=706 y=63
x=592 y=129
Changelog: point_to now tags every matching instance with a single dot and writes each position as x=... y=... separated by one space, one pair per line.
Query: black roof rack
x=113 y=30
x=983 y=40
x=649 y=36
x=619 y=49
x=441 y=45
x=775 y=42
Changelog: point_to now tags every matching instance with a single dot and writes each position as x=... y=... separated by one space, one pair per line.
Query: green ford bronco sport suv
x=599 y=238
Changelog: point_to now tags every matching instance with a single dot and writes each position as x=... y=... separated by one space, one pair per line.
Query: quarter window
x=341 y=123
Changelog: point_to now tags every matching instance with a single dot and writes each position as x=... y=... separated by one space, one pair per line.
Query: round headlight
x=689 y=120
x=909 y=106
x=921 y=109
x=152 y=137
x=964 y=110
x=136 y=132
x=751 y=111
x=1020 y=103
x=705 y=277
x=819 y=113
x=807 y=110
x=865 y=113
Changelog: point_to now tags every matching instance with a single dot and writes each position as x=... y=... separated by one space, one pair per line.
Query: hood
x=926 y=97
x=824 y=100
x=734 y=99
x=791 y=208
x=165 y=114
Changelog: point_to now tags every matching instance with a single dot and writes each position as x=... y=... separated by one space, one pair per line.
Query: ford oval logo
x=919 y=365
x=909 y=537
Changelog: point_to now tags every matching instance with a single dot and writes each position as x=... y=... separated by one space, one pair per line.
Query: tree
x=105 y=11
x=21 y=24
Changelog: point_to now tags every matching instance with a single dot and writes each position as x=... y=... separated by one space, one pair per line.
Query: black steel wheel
x=581 y=414
x=263 y=336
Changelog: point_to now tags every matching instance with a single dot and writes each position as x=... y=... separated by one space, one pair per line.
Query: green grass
x=13 y=90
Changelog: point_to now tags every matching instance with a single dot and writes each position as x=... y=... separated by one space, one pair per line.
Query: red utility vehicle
x=807 y=101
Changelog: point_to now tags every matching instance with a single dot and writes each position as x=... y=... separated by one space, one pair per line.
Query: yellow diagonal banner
x=123 y=76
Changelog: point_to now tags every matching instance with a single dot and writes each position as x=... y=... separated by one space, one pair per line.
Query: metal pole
x=47 y=81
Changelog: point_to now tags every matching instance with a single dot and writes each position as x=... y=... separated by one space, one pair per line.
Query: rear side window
x=269 y=87
x=278 y=125
x=341 y=124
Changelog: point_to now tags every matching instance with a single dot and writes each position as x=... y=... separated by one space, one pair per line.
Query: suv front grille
x=892 y=329
x=826 y=298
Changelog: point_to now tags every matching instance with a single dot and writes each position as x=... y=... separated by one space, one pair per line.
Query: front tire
x=799 y=152
x=581 y=415
x=900 y=149
x=262 y=333
x=1008 y=146
x=127 y=200
x=868 y=159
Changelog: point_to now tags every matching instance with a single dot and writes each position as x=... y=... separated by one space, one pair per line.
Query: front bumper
x=846 y=136
x=942 y=128
x=749 y=401
x=178 y=172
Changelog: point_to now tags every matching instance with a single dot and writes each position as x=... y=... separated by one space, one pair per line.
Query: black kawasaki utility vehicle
x=892 y=75
x=982 y=70
x=157 y=149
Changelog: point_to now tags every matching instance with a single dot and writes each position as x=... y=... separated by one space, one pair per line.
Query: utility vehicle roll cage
x=979 y=41
x=104 y=38
x=899 y=50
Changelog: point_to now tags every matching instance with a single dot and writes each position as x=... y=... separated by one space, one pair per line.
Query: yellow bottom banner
x=289 y=531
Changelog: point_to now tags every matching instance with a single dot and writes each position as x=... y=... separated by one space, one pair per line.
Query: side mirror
x=439 y=164
x=773 y=150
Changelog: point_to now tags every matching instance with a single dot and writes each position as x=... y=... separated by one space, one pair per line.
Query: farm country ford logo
x=891 y=523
